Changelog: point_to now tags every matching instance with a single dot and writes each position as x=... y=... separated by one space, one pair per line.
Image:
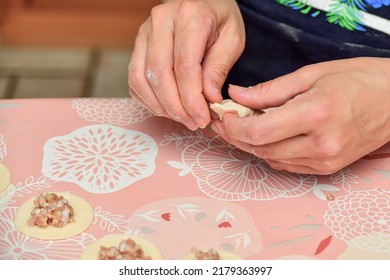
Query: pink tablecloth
x=151 y=177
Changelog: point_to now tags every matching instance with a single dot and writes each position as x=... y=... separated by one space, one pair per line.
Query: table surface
x=151 y=177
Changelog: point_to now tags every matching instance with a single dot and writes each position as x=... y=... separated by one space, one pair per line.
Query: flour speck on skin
x=152 y=77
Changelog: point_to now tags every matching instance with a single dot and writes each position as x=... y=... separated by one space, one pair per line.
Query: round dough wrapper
x=229 y=106
x=5 y=177
x=91 y=252
x=83 y=218
x=223 y=255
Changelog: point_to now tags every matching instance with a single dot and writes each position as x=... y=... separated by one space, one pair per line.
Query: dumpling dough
x=83 y=218
x=91 y=252
x=222 y=254
x=229 y=106
x=5 y=177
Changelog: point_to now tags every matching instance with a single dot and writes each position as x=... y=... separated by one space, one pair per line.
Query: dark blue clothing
x=281 y=38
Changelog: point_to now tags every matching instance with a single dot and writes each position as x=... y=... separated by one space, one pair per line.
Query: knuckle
x=182 y=65
x=153 y=73
x=252 y=135
x=331 y=146
x=330 y=166
x=275 y=165
x=134 y=81
x=187 y=7
x=220 y=72
x=254 y=132
x=157 y=12
x=262 y=152
x=305 y=72
x=322 y=113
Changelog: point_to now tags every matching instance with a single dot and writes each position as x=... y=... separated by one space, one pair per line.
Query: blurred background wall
x=68 y=48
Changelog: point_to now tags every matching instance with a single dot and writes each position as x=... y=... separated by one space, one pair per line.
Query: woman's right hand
x=182 y=55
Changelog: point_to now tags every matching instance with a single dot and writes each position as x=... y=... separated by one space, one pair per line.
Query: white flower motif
x=16 y=246
x=227 y=173
x=3 y=148
x=100 y=158
x=117 y=111
x=361 y=215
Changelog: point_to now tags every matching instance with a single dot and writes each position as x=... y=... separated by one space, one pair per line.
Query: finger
x=138 y=85
x=300 y=146
x=189 y=51
x=278 y=91
x=296 y=117
x=159 y=71
x=301 y=169
x=219 y=60
x=281 y=161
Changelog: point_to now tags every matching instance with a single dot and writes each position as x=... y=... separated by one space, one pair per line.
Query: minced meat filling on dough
x=51 y=209
x=127 y=250
x=206 y=255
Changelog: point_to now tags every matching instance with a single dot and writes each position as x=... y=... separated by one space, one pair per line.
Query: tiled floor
x=49 y=72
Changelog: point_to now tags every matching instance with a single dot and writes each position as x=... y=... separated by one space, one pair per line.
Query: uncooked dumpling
x=210 y=254
x=5 y=177
x=83 y=218
x=91 y=252
x=229 y=106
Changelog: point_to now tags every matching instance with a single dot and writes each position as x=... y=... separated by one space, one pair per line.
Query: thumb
x=272 y=93
x=216 y=66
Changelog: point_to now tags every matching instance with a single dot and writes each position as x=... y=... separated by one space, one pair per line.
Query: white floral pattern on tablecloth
x=120 y=111
x=362 y=219
x=16 y=246
x=3 y=148
x=227 y=173
x=196 y=222
x=100 y=158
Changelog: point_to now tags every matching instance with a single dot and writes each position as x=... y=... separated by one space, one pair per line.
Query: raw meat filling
x=51 y=209
x=127 y=250
x=208 y=255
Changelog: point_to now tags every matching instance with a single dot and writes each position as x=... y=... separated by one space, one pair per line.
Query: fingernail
x=214 y=127
x=239 y=88
x=191 y=125
x=200 y=122
x=217 y=94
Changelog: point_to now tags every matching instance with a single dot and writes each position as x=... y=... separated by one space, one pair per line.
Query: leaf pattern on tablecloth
x=118 y=111
x=361 y=215
x=239 y=240
x=194 y=222
x=345 y=177
x=384 y=173
x=181 y=141
x=319 y=189
x=100 y=158
x=151 y=216
x=224 y=215
x=30 y=185
x=109 y=222
x=187 y=209
x=224 y=172
x=17 y=246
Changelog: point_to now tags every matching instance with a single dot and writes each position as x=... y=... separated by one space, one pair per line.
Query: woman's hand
x=182 y=56
x=328 y=115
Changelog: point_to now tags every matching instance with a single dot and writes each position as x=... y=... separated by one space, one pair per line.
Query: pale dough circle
x=83 y=218
x=5 y=177
x=229 y=106
x=222 y=254
x=91 y=252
